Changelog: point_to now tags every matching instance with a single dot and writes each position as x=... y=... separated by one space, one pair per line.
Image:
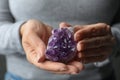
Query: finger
x=105 y=50
x=78 y=27
x=71 y=70
x=51 y=66
x=95 y=42
x=93 y=30
x=93 y=59
x=78 y=65
x=38 y=45
x=64 y=25
x=61 y=72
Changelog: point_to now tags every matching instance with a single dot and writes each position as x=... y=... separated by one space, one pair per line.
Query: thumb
x=64 y=25
x=39 y=46
x=41 y=51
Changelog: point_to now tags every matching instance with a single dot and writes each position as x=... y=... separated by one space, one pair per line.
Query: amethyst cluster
x=61 y=46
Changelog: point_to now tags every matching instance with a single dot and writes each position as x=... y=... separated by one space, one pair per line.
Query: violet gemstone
x=61 y=46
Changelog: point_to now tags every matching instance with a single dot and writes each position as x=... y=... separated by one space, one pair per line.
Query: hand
x=35 y=35
x=94 y=42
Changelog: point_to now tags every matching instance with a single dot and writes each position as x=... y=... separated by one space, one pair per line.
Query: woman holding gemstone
x=24 y=34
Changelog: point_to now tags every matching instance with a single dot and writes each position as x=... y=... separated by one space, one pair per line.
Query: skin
x=94 y=42
x=35 y=36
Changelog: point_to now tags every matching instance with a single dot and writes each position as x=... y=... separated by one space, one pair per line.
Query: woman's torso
x=53 y=12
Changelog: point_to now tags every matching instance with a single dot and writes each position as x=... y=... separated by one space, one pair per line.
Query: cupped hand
x=94 y=42
x=35 y=35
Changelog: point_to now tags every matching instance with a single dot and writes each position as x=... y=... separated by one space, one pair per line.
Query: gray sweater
x=13 y=13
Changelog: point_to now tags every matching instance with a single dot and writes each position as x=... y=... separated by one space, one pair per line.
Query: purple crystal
x=61 y=46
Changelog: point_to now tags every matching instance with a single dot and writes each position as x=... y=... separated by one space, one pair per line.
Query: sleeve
x=115 y=57
x=9 y=31
x=116 y=31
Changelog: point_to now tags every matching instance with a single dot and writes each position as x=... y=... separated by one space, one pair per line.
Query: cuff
x=116 y=33
x=16 y=38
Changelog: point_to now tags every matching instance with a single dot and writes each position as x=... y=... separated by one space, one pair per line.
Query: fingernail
x=63 y=69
